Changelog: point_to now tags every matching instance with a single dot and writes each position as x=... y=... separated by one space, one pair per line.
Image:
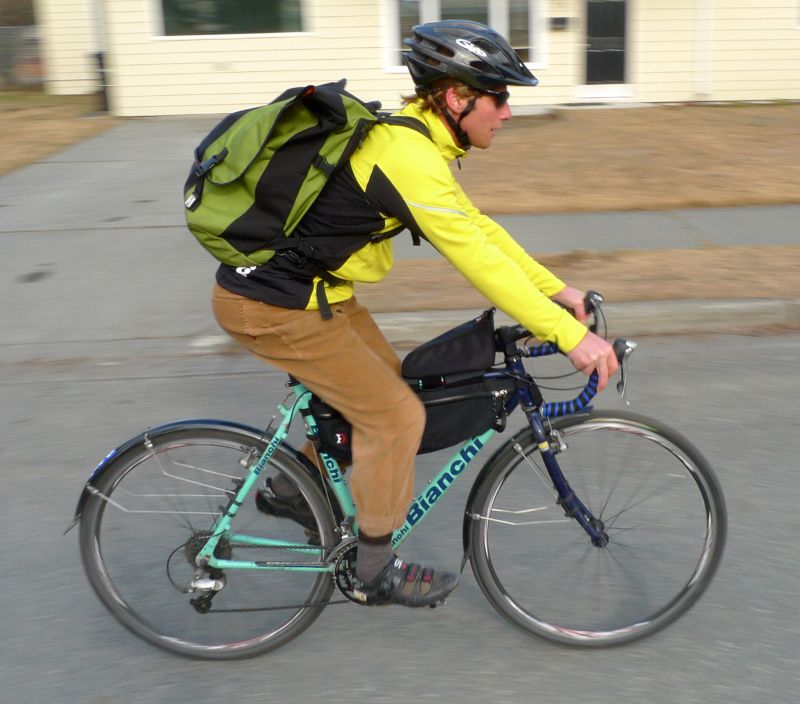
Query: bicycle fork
x=549 y=446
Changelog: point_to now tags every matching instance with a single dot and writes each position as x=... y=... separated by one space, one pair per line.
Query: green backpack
x=258 y=171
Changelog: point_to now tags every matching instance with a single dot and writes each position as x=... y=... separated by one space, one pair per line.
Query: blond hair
x=432 y=97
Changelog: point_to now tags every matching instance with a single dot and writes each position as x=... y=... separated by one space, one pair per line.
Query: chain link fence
x=20 y=61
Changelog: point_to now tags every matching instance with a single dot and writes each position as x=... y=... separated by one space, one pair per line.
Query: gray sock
x=373 y=555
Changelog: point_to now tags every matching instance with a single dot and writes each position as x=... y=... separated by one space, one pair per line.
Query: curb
x=409 y=329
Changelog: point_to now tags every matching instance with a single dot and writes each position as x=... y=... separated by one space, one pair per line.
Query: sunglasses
x=500 y=97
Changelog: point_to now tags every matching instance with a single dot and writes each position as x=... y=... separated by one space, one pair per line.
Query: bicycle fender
x=153 y=433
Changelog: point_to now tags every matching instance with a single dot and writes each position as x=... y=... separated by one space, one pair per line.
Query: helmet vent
x=480 y=66
x=487 y=46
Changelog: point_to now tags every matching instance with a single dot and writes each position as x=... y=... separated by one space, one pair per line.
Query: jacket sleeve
x=484 y=253
x=541 y=277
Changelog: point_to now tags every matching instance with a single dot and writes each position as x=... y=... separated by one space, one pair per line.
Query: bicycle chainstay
x=304 y=605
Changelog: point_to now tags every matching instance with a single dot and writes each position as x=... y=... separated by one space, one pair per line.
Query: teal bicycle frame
x=419 y=508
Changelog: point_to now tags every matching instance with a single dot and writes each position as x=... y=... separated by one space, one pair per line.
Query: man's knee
x=410 y=415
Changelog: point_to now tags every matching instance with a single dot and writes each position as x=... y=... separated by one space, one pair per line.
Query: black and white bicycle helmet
x=467 y=51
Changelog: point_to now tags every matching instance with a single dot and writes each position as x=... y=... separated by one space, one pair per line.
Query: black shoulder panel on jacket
x=381 y=192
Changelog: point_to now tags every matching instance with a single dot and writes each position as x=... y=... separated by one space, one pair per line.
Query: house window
x=516 y=20
x=194 y=17
x=475 y=10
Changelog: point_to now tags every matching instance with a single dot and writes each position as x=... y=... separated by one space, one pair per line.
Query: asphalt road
x=734 y=396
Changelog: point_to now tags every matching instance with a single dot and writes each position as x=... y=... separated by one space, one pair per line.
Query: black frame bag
x=456 y=413
x=453 y=414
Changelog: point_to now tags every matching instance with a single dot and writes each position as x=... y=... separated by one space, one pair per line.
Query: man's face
x=490 y=112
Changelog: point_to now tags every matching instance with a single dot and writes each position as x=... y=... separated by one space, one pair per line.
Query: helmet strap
x=455 y=125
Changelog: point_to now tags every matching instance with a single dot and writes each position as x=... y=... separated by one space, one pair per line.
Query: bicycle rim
x=157 y=503
x=662 y=509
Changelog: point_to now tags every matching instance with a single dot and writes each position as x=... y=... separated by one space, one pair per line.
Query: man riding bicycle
x=399 y=179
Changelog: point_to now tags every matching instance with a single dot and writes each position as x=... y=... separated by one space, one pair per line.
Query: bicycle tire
x=666 y=523
x=170 y=484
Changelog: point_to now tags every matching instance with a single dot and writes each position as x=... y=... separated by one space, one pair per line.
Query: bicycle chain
x=242 y=610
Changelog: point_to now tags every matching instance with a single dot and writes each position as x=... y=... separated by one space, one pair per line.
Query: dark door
x=605 y=41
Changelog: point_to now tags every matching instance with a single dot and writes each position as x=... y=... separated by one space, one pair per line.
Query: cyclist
x=398 y=179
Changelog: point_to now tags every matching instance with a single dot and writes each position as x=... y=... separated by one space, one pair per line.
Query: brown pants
x=349 y=364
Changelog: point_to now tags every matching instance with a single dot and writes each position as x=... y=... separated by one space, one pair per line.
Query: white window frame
x=430 y=11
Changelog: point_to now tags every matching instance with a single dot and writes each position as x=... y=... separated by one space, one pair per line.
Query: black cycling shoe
x=295 y=508
x=407 y=584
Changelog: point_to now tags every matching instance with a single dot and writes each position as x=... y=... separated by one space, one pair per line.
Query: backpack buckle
x=292 y=255
x=203 y=167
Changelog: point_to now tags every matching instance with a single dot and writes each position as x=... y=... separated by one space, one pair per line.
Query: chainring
x=344 y=571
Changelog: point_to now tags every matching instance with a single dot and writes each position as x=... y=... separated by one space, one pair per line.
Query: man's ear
x=455 y=103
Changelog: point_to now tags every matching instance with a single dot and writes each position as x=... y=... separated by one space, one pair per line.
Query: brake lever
x=591 y=303
x=623 y=349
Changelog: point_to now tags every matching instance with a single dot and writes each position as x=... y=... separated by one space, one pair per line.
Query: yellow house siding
x=154 y=74
x=677 y=50
x=68 y=40
x=756 y=50
x=661 y=61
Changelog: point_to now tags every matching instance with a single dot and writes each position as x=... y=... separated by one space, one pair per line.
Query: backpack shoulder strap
x=406 y=121
x=414 y=124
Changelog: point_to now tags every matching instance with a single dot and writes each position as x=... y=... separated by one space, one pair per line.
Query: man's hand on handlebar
x=573 y=299
x=591 y=353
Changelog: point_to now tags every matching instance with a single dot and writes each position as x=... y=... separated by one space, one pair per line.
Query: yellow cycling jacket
x=400 y=179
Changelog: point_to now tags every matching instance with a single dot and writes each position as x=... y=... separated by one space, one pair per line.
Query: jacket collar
x=440 y=135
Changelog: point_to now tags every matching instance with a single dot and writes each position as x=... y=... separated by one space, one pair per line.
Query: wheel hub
x=602 y=537
x=198 y=539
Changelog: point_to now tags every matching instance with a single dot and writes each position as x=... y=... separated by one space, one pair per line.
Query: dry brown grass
x=653 y=158
x=33 y=125
x=703 y=273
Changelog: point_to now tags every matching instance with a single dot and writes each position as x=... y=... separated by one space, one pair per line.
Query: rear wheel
x=155 y=505
x=657 y=500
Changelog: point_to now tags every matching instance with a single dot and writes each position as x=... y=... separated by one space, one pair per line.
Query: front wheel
x=654 y=495
x=152 y=509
